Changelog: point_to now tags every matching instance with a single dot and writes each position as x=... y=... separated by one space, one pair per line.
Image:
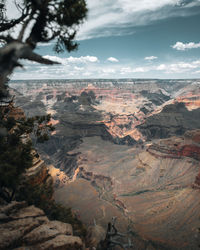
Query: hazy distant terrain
x=128 y=148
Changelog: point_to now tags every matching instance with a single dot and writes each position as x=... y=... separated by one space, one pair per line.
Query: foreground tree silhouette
x=38 y=21
x=43 y=21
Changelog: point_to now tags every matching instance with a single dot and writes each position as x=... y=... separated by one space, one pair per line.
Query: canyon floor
x=129 y=149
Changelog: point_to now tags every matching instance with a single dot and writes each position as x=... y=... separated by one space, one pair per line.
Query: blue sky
x=129 y=39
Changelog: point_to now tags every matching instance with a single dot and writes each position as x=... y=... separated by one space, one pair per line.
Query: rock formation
x=174 y=119
x=38 y=174
x=130 y=150
x=27 y=227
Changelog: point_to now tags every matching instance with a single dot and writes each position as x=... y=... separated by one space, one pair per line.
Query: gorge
x=128 y=148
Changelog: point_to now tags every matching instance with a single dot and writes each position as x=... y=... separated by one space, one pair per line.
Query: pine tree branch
x=11 y=53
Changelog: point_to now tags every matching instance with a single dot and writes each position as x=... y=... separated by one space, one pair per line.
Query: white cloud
x=161 y=67
x=82 y=59
x=108 y=70
x=185 y=46
x=112 y=59
x=119 y=17
x=197 y=63
x=141 y=70
x=86 y=67
x=87 y=74
x=150 y=58
x=127 y=70
x=179 y=67
x=78 y=68
x=71 y=59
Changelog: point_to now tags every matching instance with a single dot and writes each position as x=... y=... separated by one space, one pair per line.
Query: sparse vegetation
x=15 y=152
x=45 y=21
x=41 y=196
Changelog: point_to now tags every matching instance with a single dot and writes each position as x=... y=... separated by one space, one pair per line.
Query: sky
x=128 y=39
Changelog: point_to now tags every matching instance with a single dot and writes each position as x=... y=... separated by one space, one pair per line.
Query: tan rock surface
x=30 y=211
x=62 y=242
x=47 y=231
x=154 y=191
x=27 y=227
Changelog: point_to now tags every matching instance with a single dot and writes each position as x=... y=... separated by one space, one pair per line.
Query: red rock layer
x=192 y=151
x=192 y=100
x=175 y=148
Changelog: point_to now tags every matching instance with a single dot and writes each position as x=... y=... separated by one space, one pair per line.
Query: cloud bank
x=92 y=67
x=186 y=46
x=71 y=59
x=121 y=17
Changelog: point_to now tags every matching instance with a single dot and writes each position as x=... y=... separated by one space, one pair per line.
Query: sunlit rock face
x=121 y=105
x=38 y=175
x=190 y=95
x=125 y=148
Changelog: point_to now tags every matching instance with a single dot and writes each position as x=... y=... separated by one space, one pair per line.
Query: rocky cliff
x=149 y=177
x=38 y=174
x=27 y=227
x=174 y=119
x=150 y=188
x=24 y=226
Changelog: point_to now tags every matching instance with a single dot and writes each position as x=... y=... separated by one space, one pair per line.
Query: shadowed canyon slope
x=125 y=148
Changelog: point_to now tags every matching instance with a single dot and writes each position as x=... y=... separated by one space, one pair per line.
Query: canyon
x=127 y=148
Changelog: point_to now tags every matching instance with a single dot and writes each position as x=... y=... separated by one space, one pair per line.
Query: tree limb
x=8 y=25
x=37 y=58
x=11 y=53
x=24 y=26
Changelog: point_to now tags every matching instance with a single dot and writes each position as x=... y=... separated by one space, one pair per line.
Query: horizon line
x=86 y=79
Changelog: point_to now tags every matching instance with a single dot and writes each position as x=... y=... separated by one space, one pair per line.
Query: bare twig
x=112 y=238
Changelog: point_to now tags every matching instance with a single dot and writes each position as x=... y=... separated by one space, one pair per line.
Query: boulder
x=30 y=211
x=25 y=227
x=47 y=231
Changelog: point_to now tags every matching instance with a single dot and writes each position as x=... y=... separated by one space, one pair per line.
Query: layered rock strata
x=38 y=174
x=27 y=227
x=174 y=119
x=150 y=189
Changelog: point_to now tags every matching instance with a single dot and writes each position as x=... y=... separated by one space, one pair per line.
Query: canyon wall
x=125 y=148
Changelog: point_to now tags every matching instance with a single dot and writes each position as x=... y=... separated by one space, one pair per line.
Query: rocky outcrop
x=99 y=181
x=174 y=119
x=37 y=176
x=150 y=191
x=9 y=110
x=192 y=151
x=27 y=227
x=177 y=147
x=197 y=182
x=38 y=173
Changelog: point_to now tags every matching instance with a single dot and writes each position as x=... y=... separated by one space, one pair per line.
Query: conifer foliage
x=39 y=21
x=16 y=146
